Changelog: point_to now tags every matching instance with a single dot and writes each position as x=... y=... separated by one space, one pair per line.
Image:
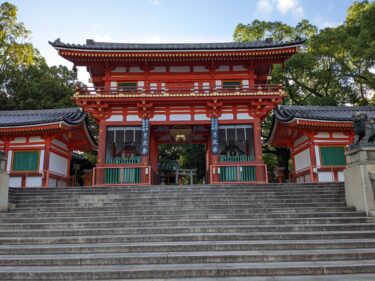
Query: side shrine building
x=38 y=145
x=145 y=95
x=318 y=137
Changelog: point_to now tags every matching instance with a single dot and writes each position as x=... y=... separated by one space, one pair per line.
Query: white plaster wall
x=201 y=117
x=119 y=69
x=58 y=164
x=159 y=69
x=302 y=160
x=133 y=118
x=179 y=69
x=113 y=84
x=226 y=116
x=322 y=135
x=307 y=178
x=9 y=160
x=15 y=181
x=325 y=177
x=59 y=143
x=245 y=84
x=180 y=117
x=35 y=139
x=223 y=68
x=317 y=155
x=200 y=68
x=135 y=69
x=244 y=116
x=116 y=118
x=41 y=161
x=33 y=181
x=159 y=117
x=340 y=176
x=19 y=140
x=300 y=140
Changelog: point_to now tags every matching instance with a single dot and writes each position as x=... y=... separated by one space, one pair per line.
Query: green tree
x=14 y=51
x=335 y=66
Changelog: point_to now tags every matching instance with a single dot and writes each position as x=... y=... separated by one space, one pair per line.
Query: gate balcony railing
x=177 y=90
x=238 y=173
x=121 y=175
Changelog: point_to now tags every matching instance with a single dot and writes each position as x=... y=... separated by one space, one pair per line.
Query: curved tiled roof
x=16 y=118
x=286 y=113
x=92 y=45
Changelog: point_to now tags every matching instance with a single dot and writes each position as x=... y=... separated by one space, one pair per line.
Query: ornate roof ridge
x=92 y=45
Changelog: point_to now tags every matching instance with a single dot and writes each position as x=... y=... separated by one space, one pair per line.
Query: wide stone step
x=187 y=257
x=96 y=216
x=362 y=234
x=148 y=223
x=187 y=229
x=186 y=246
x=187 y=270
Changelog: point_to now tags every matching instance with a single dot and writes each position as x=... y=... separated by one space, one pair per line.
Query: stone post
x=4 y=184
x=360 y=178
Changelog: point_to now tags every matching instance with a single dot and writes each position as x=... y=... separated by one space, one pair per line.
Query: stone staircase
x=177 y=232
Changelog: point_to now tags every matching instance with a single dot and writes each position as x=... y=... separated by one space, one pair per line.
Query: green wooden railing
x=237 y=174
x=240 y=158
x=123 y=175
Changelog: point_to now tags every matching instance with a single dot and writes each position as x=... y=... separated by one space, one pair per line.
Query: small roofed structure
x=318 y=137
x=38 y=144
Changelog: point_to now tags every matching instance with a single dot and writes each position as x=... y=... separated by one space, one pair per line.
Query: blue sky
x=161 y=21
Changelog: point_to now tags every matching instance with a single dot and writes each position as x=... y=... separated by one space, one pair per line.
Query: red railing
x=238 y=172
x=313 y=173
x=176 y=90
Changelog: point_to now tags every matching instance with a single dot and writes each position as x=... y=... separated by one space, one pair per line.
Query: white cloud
x=293 y=6
x=267 y=7
x=154 y=2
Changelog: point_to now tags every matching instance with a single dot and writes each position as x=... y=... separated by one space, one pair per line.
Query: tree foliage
x=335 y=66
x=14 y=50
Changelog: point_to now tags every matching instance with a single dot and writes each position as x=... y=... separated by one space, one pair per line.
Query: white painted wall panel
x=201 y=117
x=159 y=117
x=33 y=181
x=19 y=140
x=35 y=139
x=244 y=116
x=340 y=176
x=325 y=177
x=133 y=118
x=58 y=164
x=9 y=160
x=41 y=161
x=180 y=117
x=226 y=116
x=302 y=160
x=15 y=181
x=179 y=69
x=322 y=135
x=116 y=118
x=59 y=143
x=300 y=141
x=339 y=135
x=317 y=155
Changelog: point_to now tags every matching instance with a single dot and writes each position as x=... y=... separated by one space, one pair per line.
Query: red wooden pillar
x=260 y=171
x=99 y=176
x=314 y=176
x=154 y=155
x=47 y=153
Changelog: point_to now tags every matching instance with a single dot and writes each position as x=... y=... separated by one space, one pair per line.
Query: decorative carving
x=364 y=129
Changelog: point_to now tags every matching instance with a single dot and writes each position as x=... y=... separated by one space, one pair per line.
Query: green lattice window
x=231 y=84
x=332 y=155
x=128 y=85
x=25 y=161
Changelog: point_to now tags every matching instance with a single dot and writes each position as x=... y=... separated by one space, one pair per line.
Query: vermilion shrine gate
x=145 y=95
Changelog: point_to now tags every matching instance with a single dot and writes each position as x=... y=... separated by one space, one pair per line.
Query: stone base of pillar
x=360 y=179
x=4 y=187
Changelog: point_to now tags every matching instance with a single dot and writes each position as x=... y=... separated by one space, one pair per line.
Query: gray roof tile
x=17 y=118
x=92 y=45
x=286 y=113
